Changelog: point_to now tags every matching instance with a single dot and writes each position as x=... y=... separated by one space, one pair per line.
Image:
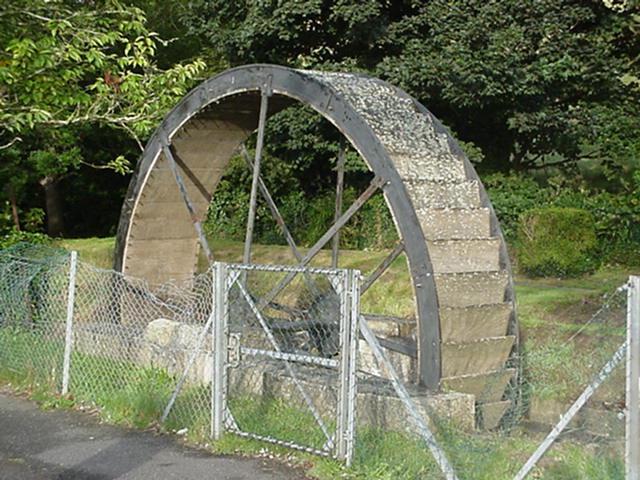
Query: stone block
x=484 y=355
x=460 y=256
x=169 y=345
x=485 y=387
x=469 y=289
x=466 y=324
x=455 y=223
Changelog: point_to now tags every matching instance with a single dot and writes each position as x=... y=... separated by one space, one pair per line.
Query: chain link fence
x=33 y=300
x=574 y=395
x=126 y=343
x=300 y=368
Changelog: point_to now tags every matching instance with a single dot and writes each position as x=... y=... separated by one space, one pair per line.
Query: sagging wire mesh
x=130 y=341
x=143 y=354
x=33 y=299
x=131 y=344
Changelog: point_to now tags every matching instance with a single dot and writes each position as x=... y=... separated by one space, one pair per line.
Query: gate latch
x=233 y=350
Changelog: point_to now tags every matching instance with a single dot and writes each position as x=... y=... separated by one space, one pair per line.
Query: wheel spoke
x=191 y=176
x=279 y=219
x=380 y=269
x=376 y=183
x=167 y=149
x=339 y=191
x=264 y=105
x=273 y=207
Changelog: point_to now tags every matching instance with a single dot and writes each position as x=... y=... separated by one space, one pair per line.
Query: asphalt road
x=69 y=445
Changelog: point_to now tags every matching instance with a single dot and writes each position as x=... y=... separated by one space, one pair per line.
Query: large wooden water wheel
x=466 y=333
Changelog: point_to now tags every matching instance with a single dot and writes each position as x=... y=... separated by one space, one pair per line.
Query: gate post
x=349 y=315
x=219 y=349
x=632 y=444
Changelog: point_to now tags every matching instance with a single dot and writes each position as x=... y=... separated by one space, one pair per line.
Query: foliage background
x=543 y=96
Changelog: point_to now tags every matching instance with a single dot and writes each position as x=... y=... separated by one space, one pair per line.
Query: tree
x=525 y=84
x=66 y=64
x=303 y=33
x=530 y=82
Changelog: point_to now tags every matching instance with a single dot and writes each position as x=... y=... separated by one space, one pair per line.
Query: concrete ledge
x=377 y=404
x=458 y=223
x=429 y=194
x=484 y=355
x=594 y=421
x=465 y=324
x=491 y=413
x=460 y=256
x=470 y=289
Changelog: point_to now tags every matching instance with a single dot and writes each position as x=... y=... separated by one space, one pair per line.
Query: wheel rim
x=415 y=159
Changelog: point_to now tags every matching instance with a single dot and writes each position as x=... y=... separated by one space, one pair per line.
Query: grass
x=562 y=353
x=96 y=251
x=551 y=311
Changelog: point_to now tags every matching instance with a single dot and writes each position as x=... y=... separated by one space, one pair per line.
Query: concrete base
x=377 y=404
x=594 y=421
x=169 y=344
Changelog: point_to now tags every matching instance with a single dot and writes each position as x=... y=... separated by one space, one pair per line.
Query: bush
x=617 y=214
x=511 y=195
x=558 y=242
x=14 y=237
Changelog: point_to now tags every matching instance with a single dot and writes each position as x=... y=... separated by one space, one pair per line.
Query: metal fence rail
x=632 y=411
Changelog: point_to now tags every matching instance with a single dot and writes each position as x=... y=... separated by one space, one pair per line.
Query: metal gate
x=285 y=347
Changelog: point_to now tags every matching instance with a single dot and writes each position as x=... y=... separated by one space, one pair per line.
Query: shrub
x=617 y=214
x=557 y=242
x=511 y=195
x=17 y=236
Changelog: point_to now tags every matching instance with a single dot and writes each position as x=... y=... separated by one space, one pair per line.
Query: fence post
x=349 y=312
x=219 y=348
x=68 y=339
x=632 y=443
x=353 y=319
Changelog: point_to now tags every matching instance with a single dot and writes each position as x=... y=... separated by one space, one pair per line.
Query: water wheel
x=465 y=335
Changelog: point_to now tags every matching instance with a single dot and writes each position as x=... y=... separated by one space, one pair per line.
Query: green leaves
x=523 y=73
x=68 y=67
x=66 y=64
x=519 y=80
